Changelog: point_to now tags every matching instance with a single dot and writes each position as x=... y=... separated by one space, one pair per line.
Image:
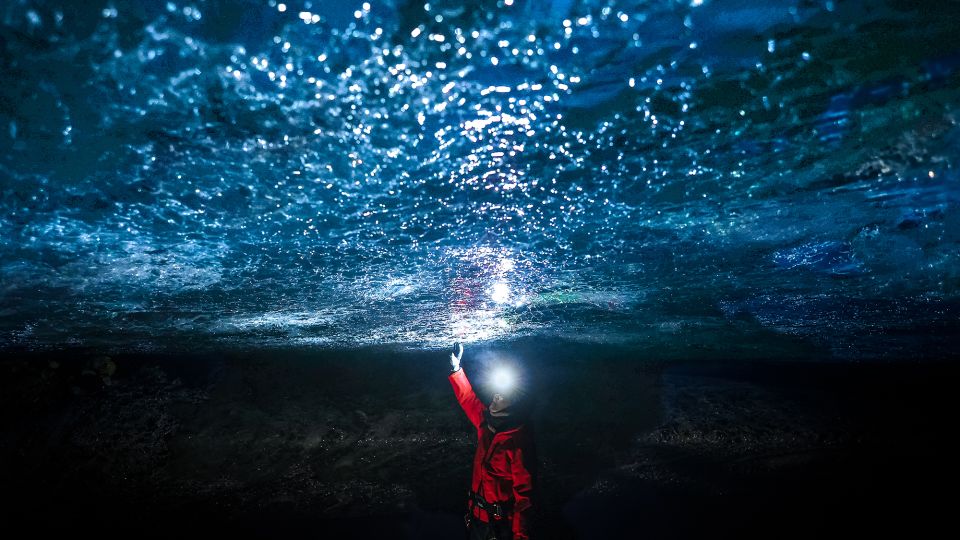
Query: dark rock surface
x=370 y=443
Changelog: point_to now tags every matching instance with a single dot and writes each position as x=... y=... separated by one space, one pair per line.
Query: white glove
x=455 y=357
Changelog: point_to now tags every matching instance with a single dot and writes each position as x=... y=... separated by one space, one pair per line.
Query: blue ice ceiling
x=704 y=177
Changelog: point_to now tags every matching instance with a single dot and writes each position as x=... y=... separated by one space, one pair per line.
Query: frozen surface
x=664 y=174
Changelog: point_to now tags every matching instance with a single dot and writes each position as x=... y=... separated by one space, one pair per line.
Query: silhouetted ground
x=371 y=444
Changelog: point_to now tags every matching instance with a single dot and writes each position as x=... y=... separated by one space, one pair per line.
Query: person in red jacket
x=499 y=504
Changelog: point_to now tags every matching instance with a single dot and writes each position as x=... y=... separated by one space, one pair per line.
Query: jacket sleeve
x=522 y=491
x=465 y=396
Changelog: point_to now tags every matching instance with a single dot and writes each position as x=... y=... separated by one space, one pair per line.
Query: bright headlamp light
x=503 y=379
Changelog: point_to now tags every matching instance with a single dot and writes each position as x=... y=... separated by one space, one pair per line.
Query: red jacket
x=500 y=474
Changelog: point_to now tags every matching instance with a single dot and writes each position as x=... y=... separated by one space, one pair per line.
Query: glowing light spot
x=500 y=292
x=503 y=379
x=281 y=7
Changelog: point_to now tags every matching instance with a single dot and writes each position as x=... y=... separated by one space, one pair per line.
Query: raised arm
x=466 y=397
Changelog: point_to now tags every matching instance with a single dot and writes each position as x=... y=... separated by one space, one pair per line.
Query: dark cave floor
x=370 y=444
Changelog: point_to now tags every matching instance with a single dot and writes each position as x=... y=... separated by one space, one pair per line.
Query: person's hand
x=455 y=357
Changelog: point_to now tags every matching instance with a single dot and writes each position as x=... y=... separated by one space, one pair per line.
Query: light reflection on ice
x=481 y=325
x=500 y=292
x=345 y=173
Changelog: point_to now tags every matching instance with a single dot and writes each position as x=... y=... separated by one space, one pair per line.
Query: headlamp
x=503 y=379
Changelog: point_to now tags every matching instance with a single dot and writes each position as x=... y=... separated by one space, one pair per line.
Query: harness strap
x=498 y=510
